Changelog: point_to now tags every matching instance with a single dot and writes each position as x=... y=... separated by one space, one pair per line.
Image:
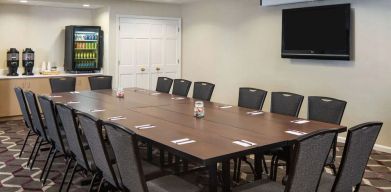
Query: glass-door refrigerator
x=83 y=49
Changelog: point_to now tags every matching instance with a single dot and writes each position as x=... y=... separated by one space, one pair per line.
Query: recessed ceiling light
x=23 y=1
x=86 y=5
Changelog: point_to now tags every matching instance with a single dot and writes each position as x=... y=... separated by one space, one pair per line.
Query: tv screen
x=316 y=32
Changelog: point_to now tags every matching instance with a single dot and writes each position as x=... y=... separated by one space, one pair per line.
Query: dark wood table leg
x=258 y=166
x=162 y=157
x=212 y=177
x=226 y=175
x=149 y=152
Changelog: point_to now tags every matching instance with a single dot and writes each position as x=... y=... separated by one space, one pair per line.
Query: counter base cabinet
x=9 y=105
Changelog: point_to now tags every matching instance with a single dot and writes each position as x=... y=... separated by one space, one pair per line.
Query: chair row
x=68 y=84
x=79 y=138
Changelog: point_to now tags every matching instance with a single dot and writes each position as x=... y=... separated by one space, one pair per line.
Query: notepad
x=295 y=132
x=180 y=140
x=241 y=143
x=254 y=113
x=155 y=93
x=116 y=118
x=186 y=142
x=55 y=96
x=73 y=102
x=97 y=110
x=225 y=107
x=74 y=92
x=300 y=121
x=146 y=126
x=177 y=98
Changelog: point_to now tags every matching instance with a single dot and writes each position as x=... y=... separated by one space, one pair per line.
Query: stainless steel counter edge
x=3 y=77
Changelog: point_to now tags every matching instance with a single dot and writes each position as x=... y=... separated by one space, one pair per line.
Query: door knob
x=143 y=69
x=157 y=68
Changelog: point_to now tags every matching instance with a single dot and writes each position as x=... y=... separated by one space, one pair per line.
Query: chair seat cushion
x=171 y=183
x=326 y=182
x=261 y=185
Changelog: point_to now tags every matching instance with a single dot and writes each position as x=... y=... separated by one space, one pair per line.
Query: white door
x=147 y=49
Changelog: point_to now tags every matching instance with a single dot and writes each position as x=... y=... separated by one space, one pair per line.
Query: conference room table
x=226 y=131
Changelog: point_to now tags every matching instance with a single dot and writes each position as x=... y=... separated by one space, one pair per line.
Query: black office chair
x=358 y=147
x=100 y=82
x=329 y=110
x=38 y=126
x=203 y=90
x=164 y=84
x=309 y=155
x=181 y=87
x=92 y=128
x=63 y=84
x=251 y=98
x=78 y=150
x=323 y=109
x=26 y=116
x=286 y=103
x=125 y=147
x=59 y=146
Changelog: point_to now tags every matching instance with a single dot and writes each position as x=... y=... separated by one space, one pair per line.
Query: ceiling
x=79 y=3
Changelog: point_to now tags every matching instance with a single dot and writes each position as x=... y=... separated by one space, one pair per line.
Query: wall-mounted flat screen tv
x=316 y=32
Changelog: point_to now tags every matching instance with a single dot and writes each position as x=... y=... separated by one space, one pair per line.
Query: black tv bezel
x=324 y=54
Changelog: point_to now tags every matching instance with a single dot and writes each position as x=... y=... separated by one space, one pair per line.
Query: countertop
x=45 y=76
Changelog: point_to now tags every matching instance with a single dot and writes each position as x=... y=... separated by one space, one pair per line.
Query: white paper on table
x=146 y=127
x=251 y=143
x=55 y=96
x=180 y=140
x=300 y=121
x=116 y=119
x=177 y=98
x=186 y=142
x=255 y=113
x=97 y=110
x=139 y=126
x=294 y=132
x=74 y=92
x=225 y=107
x=73 y=102
x=155 y=93
x=241 y=143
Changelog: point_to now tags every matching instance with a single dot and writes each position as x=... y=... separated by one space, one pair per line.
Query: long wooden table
x=214 y=134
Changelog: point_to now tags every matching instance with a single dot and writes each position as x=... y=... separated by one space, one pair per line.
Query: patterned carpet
x=14 y=176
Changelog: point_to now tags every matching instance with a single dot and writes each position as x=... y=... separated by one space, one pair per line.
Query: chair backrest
x=92 y=129
x=309 y=157
x=63 y=84
x=124 y=143
x=163 y=84
x=326 y=109
x=286 y=103
x=73 y=134
x=24 y=108
x=35 y=114
x=100 y=82
x=53 y=129
x=203 y=90
x=251 y=98
x=358 y=147
x=181 y=87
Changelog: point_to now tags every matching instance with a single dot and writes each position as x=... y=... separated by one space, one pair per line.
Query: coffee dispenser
x=13 y=62
x=28 y=61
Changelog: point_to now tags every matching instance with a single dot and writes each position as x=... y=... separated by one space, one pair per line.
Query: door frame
x=179 y=50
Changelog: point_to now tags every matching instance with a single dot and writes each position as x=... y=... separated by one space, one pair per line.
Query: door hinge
x=119 y=27
x=179 y=29
x=178 y=61
x=119 y=62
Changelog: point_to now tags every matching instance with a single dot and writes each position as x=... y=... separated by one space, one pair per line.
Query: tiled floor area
x=15 y=177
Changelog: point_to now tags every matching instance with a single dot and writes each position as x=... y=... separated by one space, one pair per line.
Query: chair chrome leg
x=32 y=152
x=50 y=167
x=92 y=182
x=24 y=143
x=66 y=173
x=36 y=154
x=238 y=172
x=72 y=175
x=46 y=162
x=101 y=184
x=265 y=165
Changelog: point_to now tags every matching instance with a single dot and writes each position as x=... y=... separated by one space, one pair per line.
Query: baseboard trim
x=377 y=147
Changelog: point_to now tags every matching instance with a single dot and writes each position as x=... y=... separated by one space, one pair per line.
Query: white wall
x=39 y=28
x=238 y=43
